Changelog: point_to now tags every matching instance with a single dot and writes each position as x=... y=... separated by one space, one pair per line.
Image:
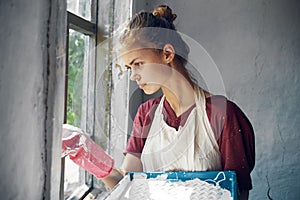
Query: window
x=91 y=102
x=81 y=8
x=80 y=77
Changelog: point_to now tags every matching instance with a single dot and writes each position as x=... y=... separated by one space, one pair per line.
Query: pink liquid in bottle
x=83 y=151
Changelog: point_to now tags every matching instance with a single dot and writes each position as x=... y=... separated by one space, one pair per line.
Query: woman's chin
x=150 y=90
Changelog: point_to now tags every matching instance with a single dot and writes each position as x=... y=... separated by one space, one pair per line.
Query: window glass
x=81 y=8
x=78 y=45
x=75 y=77
x=88 y=91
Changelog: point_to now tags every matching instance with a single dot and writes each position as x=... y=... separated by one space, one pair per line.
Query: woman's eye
x=134 y=66
x=138 y=64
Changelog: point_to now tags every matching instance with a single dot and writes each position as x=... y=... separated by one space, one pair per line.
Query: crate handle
x=216 y=178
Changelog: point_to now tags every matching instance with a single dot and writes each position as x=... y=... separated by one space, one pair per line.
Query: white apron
x=192 y=148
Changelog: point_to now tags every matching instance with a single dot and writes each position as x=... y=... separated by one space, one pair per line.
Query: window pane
x=81 y=8
x=78 y=43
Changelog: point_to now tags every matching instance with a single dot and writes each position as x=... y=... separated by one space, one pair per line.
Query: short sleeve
x=141 y=126
x=237 y=145
x=135 y=142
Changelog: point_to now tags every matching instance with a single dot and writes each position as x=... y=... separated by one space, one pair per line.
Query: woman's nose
x=134 y=76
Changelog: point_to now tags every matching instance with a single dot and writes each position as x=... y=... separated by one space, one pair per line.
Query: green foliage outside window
x=75 y=78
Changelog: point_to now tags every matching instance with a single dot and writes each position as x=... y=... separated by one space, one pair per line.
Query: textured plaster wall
x=256 y=46
x=31 y=98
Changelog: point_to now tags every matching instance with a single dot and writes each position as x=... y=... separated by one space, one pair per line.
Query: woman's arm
x=131 y=163
x=237 y=148
x=113 y=178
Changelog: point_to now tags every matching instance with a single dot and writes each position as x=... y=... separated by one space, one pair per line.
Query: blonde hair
x=154 y=30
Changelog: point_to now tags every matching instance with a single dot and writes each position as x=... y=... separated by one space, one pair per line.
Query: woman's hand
x=83 y=151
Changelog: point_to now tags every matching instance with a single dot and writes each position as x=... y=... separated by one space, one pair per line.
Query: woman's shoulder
x=219 y=104
x=227 y=117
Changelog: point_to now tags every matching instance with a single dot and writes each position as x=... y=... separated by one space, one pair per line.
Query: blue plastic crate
x=226 y=179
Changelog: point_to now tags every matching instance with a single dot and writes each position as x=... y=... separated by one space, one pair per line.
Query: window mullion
x=81 y=25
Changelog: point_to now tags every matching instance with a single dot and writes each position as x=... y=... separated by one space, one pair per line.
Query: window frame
x=89 y=29
x=103 y=18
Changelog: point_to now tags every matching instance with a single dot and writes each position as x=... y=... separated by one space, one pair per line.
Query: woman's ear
x=168 y=53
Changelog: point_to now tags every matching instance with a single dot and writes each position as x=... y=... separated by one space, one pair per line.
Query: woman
x=187 y=128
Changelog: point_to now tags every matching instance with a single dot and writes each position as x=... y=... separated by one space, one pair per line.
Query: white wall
x=31 y=98
x=256 y=46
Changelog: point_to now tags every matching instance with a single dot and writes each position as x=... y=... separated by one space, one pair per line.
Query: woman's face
x=148 y=69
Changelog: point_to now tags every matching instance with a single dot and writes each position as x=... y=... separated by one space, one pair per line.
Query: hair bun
x=165 y=12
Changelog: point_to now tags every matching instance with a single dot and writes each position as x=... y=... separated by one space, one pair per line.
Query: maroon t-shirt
x=232 y=129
